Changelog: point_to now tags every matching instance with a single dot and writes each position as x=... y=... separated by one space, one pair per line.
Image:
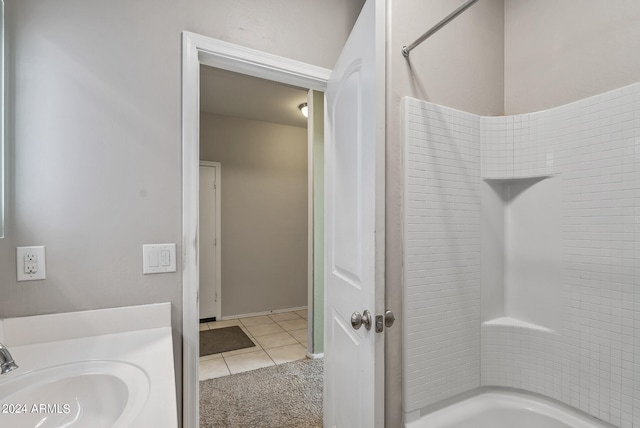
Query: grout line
x=227 y=365
x=272 y=360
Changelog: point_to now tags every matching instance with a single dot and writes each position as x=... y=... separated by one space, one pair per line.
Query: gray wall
x=263 y=212
x=94 y=135
x=460 y=67
x=557 y=52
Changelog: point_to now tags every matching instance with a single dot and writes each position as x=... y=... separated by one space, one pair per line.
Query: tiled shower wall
x=593 y=362
x=442 y=253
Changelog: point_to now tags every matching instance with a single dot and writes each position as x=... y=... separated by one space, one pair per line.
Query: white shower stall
x=522 y=255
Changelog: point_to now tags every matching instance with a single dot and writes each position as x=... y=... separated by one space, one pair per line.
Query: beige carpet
x=283 y=396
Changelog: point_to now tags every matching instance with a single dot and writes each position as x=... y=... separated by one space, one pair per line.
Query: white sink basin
x=79 y=394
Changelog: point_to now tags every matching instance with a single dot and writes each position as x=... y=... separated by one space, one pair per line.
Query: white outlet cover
x=36 y=261
x=158 y=258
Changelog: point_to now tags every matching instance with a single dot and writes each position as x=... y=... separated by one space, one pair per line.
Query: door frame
x=196 y=50
x=218 y=260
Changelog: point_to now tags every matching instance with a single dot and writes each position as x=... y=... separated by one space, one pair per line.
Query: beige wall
x=557 y=52
x=460 y=67
x=94 y=135
x=263 y=212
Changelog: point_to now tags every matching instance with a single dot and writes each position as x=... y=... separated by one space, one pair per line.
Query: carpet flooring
x=284 y=396
x=223 y=340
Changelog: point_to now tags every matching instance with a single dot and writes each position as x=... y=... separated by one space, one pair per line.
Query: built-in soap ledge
x=515 y=322
x=519 y=178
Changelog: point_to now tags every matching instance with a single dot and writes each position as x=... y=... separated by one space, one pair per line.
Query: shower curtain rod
x=438 y=26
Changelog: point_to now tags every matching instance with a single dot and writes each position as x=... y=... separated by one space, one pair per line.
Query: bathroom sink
x=79 y=394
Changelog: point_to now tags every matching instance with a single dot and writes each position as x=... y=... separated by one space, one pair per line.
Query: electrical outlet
x=30 y=263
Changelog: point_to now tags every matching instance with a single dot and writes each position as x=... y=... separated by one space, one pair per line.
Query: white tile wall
x=519 y=357
x=594 y=147
x=594 y=364
x=497 y=145
x=442 y=248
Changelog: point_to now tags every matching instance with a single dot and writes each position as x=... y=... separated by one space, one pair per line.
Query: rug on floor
x=223 y=340
x=288 y=395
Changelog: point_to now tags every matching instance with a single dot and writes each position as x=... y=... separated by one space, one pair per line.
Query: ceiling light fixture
x=304 y=109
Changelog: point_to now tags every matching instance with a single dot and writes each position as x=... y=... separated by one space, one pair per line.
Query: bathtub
x=506 y=409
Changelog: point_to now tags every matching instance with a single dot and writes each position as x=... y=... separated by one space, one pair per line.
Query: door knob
x=358 y=320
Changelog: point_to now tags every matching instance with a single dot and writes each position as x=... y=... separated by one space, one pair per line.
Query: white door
x=208 y=239
x=354 y=228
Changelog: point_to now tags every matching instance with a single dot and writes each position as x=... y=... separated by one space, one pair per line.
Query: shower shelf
x=521 y=178
x=515 y=322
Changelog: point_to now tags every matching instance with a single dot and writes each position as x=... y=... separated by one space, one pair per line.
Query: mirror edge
x=3 y=168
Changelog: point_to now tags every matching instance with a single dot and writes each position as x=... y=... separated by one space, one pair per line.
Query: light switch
x=158 y=258
x=153 y=258
x=165 y=257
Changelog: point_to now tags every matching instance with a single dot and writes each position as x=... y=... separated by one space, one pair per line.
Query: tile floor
x=279 y=338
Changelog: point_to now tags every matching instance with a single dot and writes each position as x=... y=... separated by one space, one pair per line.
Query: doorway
x=199 y=50
x=210 y=273
x=255 y=129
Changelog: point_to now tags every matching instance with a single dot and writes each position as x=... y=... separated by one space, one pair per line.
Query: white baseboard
x=257 y=314
x=315 y=356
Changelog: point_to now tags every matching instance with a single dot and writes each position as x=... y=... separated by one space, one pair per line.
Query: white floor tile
x=210 y=357
x=264 y=329
x=285 y=354
x=251 y=321
x=303 y=313
x=210 y=369
x=249 y=361
x=296 y=324
x=299 y=335
x=275 y=340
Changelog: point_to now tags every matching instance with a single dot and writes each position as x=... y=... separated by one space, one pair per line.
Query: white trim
x=218 y=167
x=310 y=225
x=196 y=50
x=259 y=314
x=3 y=166
x=190 y=276
x=228 y=56
x=315 y=356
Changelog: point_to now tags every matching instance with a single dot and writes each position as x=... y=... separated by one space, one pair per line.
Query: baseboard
x=257 y=314
x=315 y=356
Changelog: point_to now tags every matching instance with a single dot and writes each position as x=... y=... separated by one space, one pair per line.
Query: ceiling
x=232 y=94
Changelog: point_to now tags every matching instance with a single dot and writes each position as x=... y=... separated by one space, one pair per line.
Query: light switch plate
x=30 y=263
x=158 y=258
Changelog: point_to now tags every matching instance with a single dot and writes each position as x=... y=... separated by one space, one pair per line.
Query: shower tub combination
x=506 y=409
x=508 y=256
x=515 y=240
